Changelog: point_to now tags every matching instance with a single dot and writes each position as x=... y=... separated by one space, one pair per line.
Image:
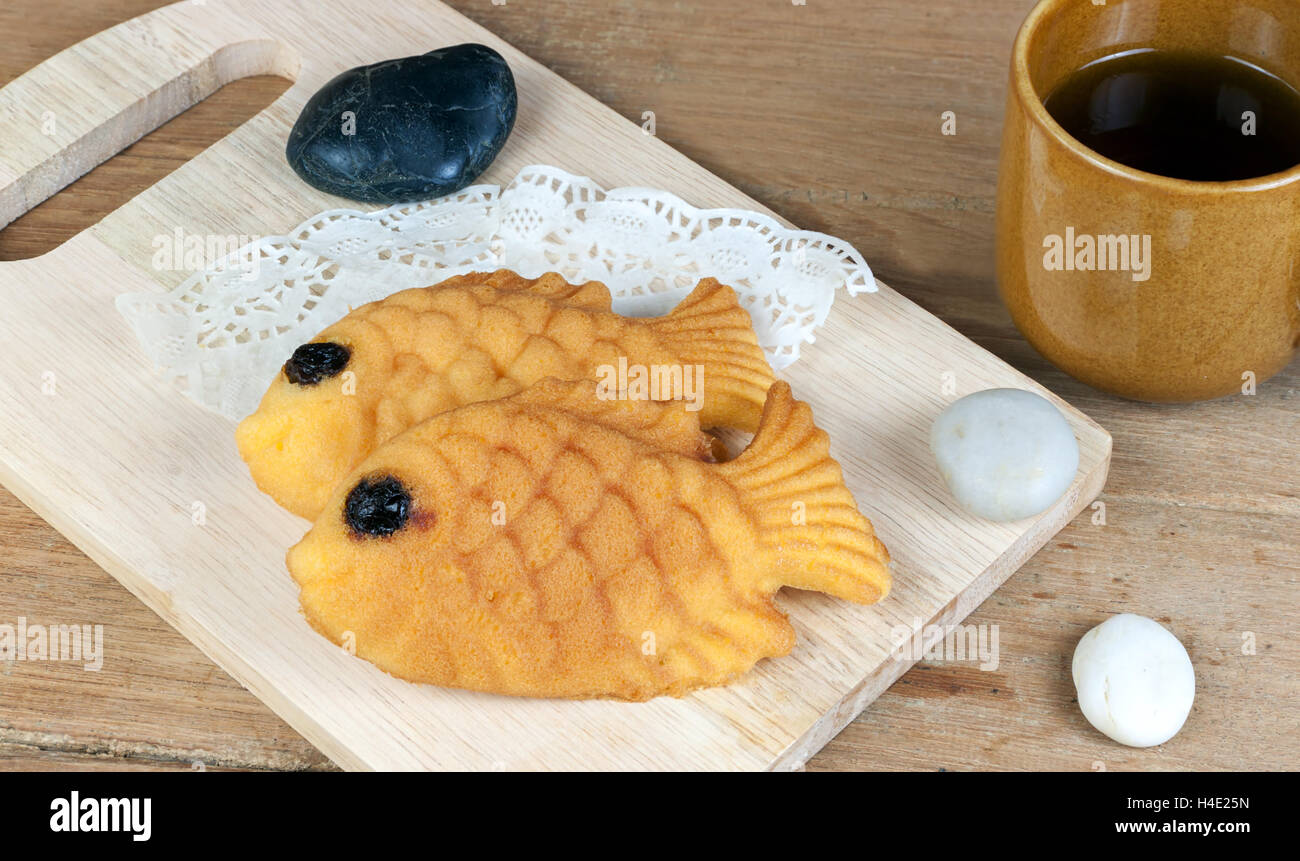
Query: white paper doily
x=222 y=335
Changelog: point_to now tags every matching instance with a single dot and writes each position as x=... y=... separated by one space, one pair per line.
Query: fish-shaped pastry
x=561 y=544
x=391 y=364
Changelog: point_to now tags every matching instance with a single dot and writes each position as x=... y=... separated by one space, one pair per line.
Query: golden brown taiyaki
x=557 y=544
x=393 y=363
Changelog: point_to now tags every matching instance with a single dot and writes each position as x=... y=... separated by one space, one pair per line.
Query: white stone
x=1134 y=680
x=1005 y=454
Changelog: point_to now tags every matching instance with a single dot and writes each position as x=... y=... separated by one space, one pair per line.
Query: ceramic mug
x=1200 y=296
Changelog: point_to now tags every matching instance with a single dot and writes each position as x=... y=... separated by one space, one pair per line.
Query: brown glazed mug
x=1208 y=301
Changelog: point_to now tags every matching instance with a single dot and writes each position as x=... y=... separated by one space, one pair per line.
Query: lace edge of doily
x=859 y=277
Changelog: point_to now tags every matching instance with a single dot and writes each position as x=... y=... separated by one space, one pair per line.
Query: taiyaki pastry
x=560 y=544
x=391 y=364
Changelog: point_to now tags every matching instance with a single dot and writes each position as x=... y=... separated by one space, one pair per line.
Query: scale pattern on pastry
x=558 y=544
x=391 y=364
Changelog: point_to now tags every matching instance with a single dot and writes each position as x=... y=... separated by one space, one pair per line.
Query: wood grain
x=846 y=139
x=118 y=467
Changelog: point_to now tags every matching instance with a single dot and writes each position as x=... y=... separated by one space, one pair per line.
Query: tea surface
x=1183 y=115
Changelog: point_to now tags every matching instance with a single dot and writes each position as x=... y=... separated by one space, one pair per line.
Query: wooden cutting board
x=97 y=444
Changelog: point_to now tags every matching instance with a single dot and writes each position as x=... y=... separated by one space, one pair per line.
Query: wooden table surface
x=830 y=113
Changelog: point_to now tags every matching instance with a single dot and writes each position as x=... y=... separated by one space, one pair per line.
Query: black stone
x=425 y=126
x=314 y=362
x=379 y=507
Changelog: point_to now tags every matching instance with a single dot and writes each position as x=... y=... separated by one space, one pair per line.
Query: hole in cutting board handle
x=207 y=103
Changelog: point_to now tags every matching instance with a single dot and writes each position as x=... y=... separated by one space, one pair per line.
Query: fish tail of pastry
x=806 y=515
x=711 y=329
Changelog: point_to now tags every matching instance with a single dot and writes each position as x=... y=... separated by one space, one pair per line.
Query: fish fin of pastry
x=664 y=425
x=709 y=328
x=806 y=515
x=590 y=295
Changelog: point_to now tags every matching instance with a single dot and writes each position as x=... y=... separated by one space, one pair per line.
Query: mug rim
x=1033 y=106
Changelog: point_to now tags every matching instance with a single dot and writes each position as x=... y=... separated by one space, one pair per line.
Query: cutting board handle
x=145 y=71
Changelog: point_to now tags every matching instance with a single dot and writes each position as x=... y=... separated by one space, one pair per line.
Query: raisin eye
x=312 y=363
x=377 y=507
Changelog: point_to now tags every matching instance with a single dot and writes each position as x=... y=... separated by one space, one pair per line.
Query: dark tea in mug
x=1182 y=114
x=1148 y=216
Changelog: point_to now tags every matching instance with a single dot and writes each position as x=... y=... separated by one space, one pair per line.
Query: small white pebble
x=1134 y=680
x=1005 y=454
